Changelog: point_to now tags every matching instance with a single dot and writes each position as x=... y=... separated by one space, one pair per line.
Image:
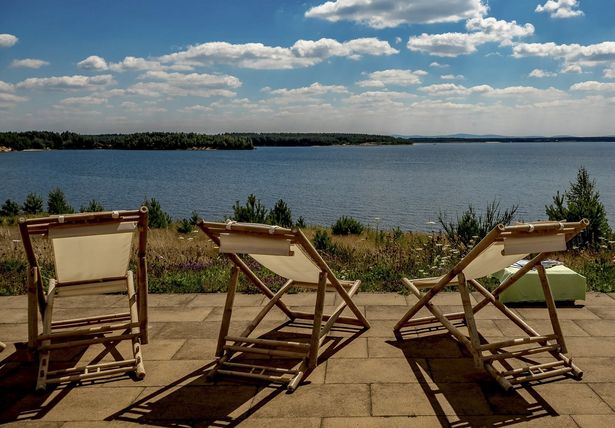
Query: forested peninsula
x=45 y=140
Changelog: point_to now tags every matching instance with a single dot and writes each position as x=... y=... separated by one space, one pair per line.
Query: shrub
x=10 y=208
x=280 y=215
x=57 y=204
x=157 y=218
x=471 y=227
x=33 y=204
x=347 y=226
x=322 y=241
x=252 y=212
x=581 y=200
x=300 y=223
x=194 y=218
x=92 y=207
x=185 y=226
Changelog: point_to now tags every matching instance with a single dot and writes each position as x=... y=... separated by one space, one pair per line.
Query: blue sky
x=428 y=67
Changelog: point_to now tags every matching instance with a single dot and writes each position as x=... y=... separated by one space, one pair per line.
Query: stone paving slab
x=364 y=378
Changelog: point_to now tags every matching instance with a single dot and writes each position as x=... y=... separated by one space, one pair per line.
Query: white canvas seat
x=91 y=253
x=503 y=246
x=290 y=255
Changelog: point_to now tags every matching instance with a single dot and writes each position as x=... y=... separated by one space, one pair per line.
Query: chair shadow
x=460 y=394
x=18 y=374
x=226 y=401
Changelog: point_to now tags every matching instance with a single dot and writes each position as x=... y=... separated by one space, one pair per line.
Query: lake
x=388 y=186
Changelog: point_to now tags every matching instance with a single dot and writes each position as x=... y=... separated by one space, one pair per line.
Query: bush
x=280 y=215
x=185 y=226
x=157 y=218
x=347 y=226
x=92 y=207
x=322 y=241
x=57 y=204
x=9 y=209
x=471 y=227
x=252 y=212
x=300 y=223
x=33 y=204
x=580 y=201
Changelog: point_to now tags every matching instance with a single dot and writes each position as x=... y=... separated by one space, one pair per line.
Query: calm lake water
x=403 y=186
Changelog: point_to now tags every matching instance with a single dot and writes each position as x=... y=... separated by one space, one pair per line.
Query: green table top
x=566 y=285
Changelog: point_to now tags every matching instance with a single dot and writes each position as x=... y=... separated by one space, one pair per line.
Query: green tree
x=280 y=215
x=92 y=207
x=252 y=212
x=33 y=204
x=581 y=200
x=10 y=208
x=157 y=218
x=57 y=203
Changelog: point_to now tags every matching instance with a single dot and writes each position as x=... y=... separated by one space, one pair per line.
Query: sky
x=415 y=67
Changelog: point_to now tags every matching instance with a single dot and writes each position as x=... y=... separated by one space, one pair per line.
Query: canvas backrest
x=501 y=254
x=278 y=255
x=91 y=252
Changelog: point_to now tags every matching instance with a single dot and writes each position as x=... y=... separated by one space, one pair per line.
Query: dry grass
x=189 y=263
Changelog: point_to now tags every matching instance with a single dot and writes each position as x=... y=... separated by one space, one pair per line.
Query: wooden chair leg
x=320 y=302
x=546 y=289
x=470 y=321
x=228 y=311
x=134 y=319
x=45 y=355
x=32 y=309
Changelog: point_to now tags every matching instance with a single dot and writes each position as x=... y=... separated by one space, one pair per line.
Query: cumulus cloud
x=609 y=73
x=480 y=31
x=197 y=108
x=7 y=97
x=28 y=63
x=392 y=13
x=574 y=56
x=380 y=79
x=88 y=100
x=453 y=89
x=438 y=65
x=315 y=89
x=560 y=8
x=303 y=53
x=592 y=85
x=194 y=80
x=66 y=82
x=93 y=62
x=452 y=77
x=538 y=73
x=7 y=40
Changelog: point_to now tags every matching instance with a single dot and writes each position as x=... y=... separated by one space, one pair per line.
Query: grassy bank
x=188 y=263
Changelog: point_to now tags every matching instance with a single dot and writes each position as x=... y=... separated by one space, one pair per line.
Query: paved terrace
x=364 y=379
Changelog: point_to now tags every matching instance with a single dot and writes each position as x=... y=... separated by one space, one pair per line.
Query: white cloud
x=538 y=73
x=560 y=8
x=453 y=89
x=160 y=89
x=304 y=53
x=592 y=85
x=7 y=40
x=397 y=77
x=194 y=80
x=573 y=55
x=197 y=108
x=88 y=100
x=93 y=62
x=572 y=68
x=609 y=73
x=480 y=31
x=452 y=77
x=28 y=63
x=66 y=82
x=7 y=97
x=392 y=13
x=438 y=65
x=315 y=89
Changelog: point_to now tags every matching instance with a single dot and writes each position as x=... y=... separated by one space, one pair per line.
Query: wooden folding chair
x=289 y=254
x=91 y=255
x=503 y=246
